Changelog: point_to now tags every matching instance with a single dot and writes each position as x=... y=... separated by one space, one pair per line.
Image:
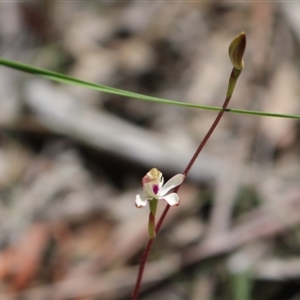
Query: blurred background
x=72 y=159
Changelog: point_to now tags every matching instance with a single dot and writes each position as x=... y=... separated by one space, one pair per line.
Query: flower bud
x=236 y=51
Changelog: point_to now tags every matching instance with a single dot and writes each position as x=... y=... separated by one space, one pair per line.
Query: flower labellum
x=155 y=189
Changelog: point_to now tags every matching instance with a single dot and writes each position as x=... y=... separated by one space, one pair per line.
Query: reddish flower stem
x=232 y=81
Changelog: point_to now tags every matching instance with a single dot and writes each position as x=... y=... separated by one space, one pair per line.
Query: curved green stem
x=58 y=77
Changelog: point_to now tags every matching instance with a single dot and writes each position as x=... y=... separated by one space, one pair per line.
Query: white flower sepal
x=154 y=188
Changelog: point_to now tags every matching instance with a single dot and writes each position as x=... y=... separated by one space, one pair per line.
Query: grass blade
x=58 y=77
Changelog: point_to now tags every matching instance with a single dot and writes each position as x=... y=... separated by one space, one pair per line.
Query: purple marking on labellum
x=155 y=189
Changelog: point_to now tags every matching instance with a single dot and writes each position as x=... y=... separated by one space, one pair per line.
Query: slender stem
x=141 y=269
x=232 y=81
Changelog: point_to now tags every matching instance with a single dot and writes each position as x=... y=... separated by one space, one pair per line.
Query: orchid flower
x=155 y=189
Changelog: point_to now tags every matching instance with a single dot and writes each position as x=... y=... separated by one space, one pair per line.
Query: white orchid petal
x=154 y=188
x=173 y=182
x=140 y=201
x=172 y=199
